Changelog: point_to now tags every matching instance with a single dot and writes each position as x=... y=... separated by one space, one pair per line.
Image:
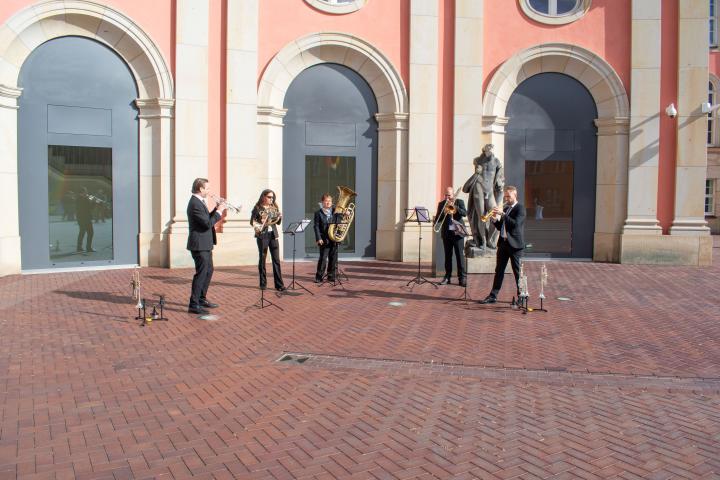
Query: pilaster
x=392 y=189
x=423 y=139
x=10 y=226
x=191 y=115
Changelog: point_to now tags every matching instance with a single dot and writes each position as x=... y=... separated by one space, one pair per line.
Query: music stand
x=419 y=215
x=336 y=269
x=292 y=229
x=464 y=297
x=262 y=303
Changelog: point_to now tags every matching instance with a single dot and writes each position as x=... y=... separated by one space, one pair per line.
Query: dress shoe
x=444 y=281
x=281 y=289
x=488 y=299
x=197 y=310
x=463 y=282
x=206 y=304
x=318 y=280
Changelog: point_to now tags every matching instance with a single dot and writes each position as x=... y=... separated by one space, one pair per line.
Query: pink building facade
x=392 y=98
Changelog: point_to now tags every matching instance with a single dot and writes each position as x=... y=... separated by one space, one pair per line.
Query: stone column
x=392 y=189
x=644 y=146
x=611 y=185
x=157 y=179
x=645 y=109
x=467 y=122
x=10 y=226
x=691 y=160
x=423 y=140
x=244 y=179
x=191 y=115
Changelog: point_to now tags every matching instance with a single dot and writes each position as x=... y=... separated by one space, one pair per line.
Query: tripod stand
x=419 y=215
x=293 y=229
x=262 y=303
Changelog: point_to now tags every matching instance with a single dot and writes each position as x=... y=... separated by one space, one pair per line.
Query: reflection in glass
x=553 y=7
x=80 y=203
x=323 y=174
x=549 y=203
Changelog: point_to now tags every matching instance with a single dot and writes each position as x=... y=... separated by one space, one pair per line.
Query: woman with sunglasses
x=265 y=217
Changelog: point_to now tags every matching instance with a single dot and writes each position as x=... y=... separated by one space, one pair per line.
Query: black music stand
x=464 y=297
x=420 y=215
x=262 y=303
x=336 y=270
x=293 y=229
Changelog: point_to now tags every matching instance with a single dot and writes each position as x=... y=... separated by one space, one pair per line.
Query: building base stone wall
x=153 y=248
x=606 y=247
x=666 y=250
x=9 y=255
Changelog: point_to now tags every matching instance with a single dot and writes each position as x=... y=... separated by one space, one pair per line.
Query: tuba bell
x=345 y=209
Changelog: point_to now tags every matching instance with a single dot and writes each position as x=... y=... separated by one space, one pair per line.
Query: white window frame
x=713 y=118
x=713 y=23
x=331 y=6
x=710 y=197
x=578 y=12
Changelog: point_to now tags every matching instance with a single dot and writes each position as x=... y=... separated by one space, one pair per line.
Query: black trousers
x=328 y=256
x=201 y=279
x=454 y=243
x=504 y=253
x=85 y=227
x=264 y=242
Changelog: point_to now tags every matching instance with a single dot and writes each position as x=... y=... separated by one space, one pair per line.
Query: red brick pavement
x=621 y=382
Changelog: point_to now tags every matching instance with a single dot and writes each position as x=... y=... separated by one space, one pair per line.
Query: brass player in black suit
x=201 y=240
x=264 y=218
x=328 y=248
x=510 y=222
x=453 y=241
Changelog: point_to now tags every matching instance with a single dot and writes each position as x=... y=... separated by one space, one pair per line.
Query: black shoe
x=444 y=281
x=263 y=287
x=318 y=280
x=206 y=304
x=488 y=299
x=463 y=282
x=280 y=289
x=197 y=310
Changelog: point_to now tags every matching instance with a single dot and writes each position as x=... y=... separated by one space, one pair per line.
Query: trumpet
x=135 y=284
x=449 y=208
x=490 y=214
x=228 y=205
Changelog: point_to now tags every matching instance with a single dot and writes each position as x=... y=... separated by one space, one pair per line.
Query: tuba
x=346 y=210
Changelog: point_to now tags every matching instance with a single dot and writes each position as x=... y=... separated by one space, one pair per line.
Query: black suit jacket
x=201 y=222
x=514 y=224
x=321 y=225
x=460 y=212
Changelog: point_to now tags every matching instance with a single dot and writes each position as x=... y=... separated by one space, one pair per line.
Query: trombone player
x=449 y=222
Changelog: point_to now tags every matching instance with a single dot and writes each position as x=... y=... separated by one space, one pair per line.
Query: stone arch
x=613 y=122
x=391 y=96
x=44 y=21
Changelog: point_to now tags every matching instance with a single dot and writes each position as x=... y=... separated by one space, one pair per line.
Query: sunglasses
x=269 y=196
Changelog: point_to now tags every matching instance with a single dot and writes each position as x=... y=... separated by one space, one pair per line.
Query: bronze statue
x=485 y=189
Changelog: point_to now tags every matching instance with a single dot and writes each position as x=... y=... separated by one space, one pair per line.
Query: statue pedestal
x=484 y=264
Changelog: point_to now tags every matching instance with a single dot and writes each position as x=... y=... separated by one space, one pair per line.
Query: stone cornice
x=612 y=126
x=392 y=121
x=9 y=96
x=155 y=107
x=271 y=115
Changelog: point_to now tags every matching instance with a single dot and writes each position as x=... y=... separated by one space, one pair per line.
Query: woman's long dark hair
x=259 y=203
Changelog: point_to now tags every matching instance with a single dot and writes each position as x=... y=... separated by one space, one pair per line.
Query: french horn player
x=449 y=222
x=265 y=218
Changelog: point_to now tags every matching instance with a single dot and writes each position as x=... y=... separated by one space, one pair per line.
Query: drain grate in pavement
x=293 y=358
x=551 y=375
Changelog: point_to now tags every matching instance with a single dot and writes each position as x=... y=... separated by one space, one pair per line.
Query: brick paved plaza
x=622 y=381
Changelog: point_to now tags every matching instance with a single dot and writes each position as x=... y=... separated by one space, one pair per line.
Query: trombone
x=448 y=209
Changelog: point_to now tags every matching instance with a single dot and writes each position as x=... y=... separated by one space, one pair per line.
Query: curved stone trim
x=592 y=71
x=41 y=22
x=337 y=9
x=579 y=11
x=333 y=47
